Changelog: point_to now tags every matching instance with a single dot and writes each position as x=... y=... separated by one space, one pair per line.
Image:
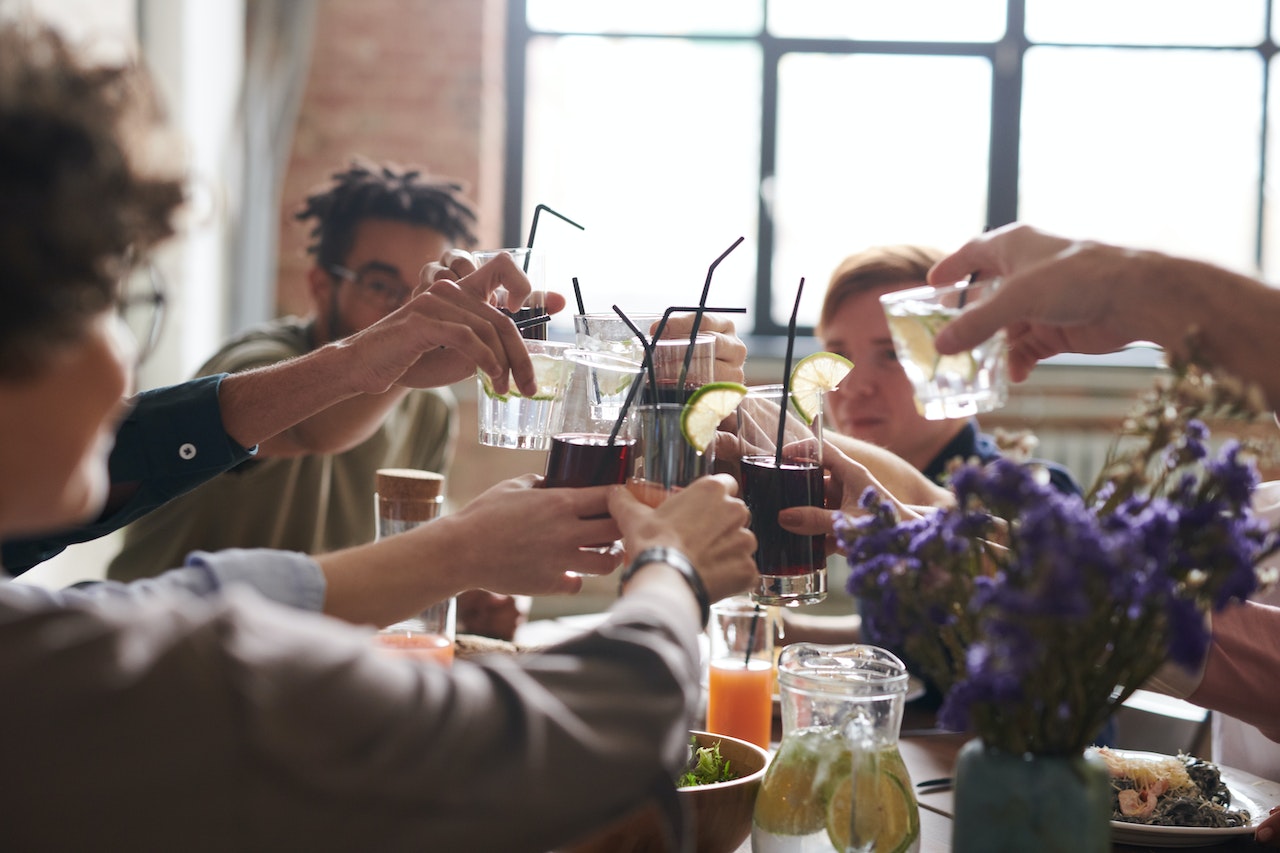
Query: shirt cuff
x=286 y=577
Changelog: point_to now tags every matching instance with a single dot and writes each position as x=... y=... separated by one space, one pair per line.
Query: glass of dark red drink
x=792 y=568
x=580 y=459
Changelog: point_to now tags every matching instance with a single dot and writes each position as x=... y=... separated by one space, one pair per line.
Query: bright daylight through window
x=815 y=128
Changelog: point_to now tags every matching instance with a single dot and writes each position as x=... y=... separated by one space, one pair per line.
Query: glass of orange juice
x=740 y=671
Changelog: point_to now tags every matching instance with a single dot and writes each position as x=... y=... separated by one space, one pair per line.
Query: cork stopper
x=408 y=494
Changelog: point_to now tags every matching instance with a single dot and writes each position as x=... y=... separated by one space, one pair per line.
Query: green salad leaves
x=705 y=766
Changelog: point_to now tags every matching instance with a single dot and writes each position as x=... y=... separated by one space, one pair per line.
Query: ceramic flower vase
x=1016 y=803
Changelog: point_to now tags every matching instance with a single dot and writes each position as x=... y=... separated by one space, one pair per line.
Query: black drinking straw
x=782 y=429
x=751 y=637
x=964 y=291
x=646 y=363
x=577 y=295
x=786 y=376
x=533 y=229
x=697 y=317
x=527 y=322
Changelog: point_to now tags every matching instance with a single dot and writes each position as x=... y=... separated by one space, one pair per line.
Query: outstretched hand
x=705 y=521
x=458 y=303
x=848 y=480
x=519 y=539
x=1055 y=295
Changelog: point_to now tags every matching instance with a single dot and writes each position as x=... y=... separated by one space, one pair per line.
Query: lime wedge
x=913 y=336
x=549 y=372
x=882 y=798
x=814 y=376
x=708 y=406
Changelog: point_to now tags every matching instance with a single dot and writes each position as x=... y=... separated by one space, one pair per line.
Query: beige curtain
x=278 y=39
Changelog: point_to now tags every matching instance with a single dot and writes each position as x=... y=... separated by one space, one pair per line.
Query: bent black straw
x=697 y=317
x=533 y=321
x=786 y=378
x=647 y=362
x=533 y=229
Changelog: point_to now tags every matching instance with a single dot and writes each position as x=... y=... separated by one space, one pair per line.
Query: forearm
x=896 y=474
x=260 y=404
x=335 y=429
x=1239 y=671
x=1234 y=316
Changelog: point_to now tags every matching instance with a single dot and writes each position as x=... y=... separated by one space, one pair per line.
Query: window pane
x=1222 y=22
x=670 y=17
x=653 y=145
x=871 y=150
x=1144 y=147
x=897 y=20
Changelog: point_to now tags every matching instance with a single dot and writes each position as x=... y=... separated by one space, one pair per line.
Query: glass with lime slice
x=780 y=456
x=946 y=386
x=525 y=423
x=675 y=443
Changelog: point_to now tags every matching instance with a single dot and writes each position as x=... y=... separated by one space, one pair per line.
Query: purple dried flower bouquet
x=1037 y=612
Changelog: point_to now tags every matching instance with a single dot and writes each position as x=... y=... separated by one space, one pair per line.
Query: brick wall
x=413 y=81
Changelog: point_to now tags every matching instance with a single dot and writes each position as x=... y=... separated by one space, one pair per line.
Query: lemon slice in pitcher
x=883 y=796
x=814 y=376
x=708 y=406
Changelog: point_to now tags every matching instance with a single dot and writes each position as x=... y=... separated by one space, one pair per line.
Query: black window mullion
x=1006 y=118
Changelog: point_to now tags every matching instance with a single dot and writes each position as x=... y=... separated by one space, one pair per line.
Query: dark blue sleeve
x=171 y=441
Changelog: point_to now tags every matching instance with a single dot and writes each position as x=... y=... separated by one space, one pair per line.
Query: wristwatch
x=677 y=561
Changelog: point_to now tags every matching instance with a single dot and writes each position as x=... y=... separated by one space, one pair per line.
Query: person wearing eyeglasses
x=308 y=488
x=193 y=710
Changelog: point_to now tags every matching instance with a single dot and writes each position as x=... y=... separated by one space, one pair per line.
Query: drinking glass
x=792 y=568
x=676 y=382
x=740 y=670
x=947 y=386
x=534 y=304
x=664 y=459
x=525 y=423
x=608 y=335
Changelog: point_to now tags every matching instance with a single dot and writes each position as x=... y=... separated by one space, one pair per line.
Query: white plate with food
x=1248 y=792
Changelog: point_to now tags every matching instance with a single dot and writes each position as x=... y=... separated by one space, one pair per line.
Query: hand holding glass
x=947 y=386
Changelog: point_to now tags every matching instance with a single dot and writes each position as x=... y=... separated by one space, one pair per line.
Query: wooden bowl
x=721 y=812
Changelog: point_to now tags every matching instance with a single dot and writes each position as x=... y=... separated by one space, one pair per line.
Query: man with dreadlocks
x=309 y=488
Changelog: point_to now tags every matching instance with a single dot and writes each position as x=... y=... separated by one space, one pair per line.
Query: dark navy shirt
x=171 y=441
x=969 y=443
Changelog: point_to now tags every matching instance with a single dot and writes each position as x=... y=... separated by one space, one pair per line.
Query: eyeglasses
x=141 y=305
x=377 y=287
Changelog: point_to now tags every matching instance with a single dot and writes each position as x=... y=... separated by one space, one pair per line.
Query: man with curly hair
x=310 y=488
x=207 y=709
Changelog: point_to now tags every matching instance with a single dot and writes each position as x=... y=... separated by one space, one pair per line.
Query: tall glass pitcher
x=838 y=782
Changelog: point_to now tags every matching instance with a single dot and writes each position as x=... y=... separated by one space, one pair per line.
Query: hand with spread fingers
x=705 y=521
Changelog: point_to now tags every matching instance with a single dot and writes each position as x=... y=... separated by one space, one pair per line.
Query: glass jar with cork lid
x=404 y=499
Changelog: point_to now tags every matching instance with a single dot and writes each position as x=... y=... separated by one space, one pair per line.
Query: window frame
x=1006 y=55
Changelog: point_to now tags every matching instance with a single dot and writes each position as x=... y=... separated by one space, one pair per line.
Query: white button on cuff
x=187 y=451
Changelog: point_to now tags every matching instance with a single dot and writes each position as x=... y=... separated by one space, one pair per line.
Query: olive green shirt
x=312 y=504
